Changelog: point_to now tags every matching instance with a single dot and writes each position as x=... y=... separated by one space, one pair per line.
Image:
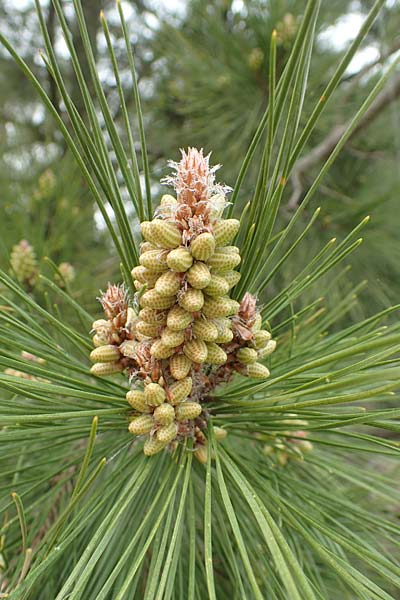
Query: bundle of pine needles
x=295 y=496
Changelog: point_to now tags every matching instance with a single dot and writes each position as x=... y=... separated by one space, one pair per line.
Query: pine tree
x=284 y=486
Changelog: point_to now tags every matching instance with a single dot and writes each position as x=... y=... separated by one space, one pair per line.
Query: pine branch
x=354 y=79
x=274 y=475
x=321 y=152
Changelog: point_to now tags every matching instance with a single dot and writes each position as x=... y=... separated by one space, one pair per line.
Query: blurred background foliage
x=203 y=76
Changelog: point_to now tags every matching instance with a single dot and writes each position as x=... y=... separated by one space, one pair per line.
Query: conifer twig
x=324 y=148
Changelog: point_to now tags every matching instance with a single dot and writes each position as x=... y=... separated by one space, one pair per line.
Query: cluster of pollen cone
x=24 y=263
x=187 y=335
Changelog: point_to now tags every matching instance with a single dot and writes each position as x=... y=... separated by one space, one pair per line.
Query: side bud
x=219 y=307
x=147 y=329
x=224 y=260
x=137 y=400
x=196 y=351
x=100 y=325
x=168 y=284
x=179 y=260
x=138 y=273
x=181 y=390
x=220 y=434
x=143 y=275
x=146 y=227
x=164 y=414
x=167 y=433
x=166 y=233
x=145 y=246
x=180 y=366
x=153 y=316
x=201 y=454
x=225 y=335
x=152 y=446
x=232 y=277
x=152 y=299
x=247 y=355
x=215 y=354
x=160 y=350
x=172 y=338
x=106 y=369
x=261 y=338
x=187 y=411
x=154 y=260
x=199 y=275
x=256 y=371
x=129 y=348
x=206 y=330
x=192 y=300
x=257 y=323
x=99 y=340
x=168 y=201
x=218 y=286
x=268 y=349
x=141 y=425
x=203 y=246
x=154 y=394
x=178 y=318
x=225 y=230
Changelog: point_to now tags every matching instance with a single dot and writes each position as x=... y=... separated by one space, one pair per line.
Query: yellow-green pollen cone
x=185 y=330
